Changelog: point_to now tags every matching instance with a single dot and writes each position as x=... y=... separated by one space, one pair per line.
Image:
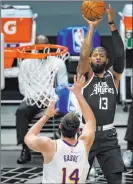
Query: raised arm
x=88 y=133
x=32 y=138
x=118 y=65
x=86 y=48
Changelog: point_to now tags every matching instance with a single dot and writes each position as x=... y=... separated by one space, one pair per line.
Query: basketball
x=93 y=9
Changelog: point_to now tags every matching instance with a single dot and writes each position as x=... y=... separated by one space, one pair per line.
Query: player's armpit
x=88 y=140
x=85 y=69
x=116 y=76
x=39 y=144
x=88 y=136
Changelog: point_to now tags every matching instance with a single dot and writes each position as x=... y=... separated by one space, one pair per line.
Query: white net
x=38 y=76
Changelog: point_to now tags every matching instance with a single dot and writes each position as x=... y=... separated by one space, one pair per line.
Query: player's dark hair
x=106 y=52
x=70 y=123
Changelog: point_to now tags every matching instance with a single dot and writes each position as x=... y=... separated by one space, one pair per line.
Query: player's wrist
x=92 y=27
x=112 y=26
x=47 y=116
x=111 y=22
x=78 y=95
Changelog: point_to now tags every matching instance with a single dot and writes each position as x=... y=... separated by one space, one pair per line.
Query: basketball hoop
x=48 y=50
x=39 y=87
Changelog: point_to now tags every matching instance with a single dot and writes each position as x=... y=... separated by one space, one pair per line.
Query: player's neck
x=70 y=140
x=100 y=75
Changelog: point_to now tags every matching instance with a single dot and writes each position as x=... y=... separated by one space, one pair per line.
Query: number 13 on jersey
x=103 y=103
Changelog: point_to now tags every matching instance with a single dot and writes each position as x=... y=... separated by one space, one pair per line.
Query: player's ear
x=78 y=130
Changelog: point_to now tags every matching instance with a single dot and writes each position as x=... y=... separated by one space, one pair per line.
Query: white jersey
x=69 y=164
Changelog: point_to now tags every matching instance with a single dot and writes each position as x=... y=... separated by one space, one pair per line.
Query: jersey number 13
x=103 y=103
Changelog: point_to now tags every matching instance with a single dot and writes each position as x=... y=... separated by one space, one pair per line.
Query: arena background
x=64 y=15
x=53 y=16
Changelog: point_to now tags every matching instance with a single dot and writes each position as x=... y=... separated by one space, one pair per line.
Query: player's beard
x=98 y=68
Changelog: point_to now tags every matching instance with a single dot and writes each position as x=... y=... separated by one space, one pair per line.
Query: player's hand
x=79 y=82
x=51 y=110
x=110 y=13
x=92 y=24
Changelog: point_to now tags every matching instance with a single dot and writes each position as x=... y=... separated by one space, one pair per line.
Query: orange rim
x=10 y=52
x=21 y=52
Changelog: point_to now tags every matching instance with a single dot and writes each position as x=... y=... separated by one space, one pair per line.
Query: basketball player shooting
x=100 y=91
x=65 y=159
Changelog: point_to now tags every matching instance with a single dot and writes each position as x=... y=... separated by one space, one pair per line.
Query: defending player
x=65 y=159
x=100 y=92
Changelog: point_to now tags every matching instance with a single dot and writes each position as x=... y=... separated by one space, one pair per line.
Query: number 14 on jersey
x=73 y=178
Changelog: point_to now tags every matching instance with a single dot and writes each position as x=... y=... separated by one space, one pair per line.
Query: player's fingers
x=56 y=110
x=78 y=77
x=107 y=10
x=85 y=19
x=110 y=7
x=52 y=102
x=74 y=79
x=99 y=20
x=54 y=98
x=83 y=79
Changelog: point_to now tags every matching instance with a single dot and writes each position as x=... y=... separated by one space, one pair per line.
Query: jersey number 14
x=103 y=103
x=74 y=176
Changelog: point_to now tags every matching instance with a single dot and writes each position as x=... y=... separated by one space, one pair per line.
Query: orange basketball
x=93 y=9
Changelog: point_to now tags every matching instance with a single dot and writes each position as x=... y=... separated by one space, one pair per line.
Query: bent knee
x=22 y=110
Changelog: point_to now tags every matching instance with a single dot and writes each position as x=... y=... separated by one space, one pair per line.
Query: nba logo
x=78 y=38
